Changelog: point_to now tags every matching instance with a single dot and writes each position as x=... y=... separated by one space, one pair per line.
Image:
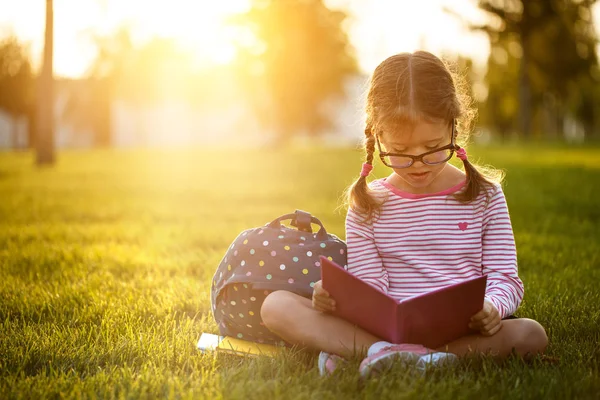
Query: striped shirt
x=419 y=243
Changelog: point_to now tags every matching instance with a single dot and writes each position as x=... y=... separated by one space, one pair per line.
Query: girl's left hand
x=487 y=321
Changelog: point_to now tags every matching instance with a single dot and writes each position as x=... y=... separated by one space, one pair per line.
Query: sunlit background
x=377 y=28
x=179 y=72
x=167 y=127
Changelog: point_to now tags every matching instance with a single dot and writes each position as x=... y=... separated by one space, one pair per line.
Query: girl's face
x=425 y=137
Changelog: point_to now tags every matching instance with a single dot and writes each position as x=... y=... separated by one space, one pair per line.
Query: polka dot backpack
x=264 y=259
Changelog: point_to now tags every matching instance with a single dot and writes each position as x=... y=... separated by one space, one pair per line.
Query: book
x=432 y=319
x=210 y=342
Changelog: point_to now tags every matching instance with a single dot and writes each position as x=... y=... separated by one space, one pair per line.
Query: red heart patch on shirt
x=463 y=225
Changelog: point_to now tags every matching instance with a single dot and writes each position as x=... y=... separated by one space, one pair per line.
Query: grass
x=106 y=261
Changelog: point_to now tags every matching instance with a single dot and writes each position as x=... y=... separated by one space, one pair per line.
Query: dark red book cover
x=431 y=319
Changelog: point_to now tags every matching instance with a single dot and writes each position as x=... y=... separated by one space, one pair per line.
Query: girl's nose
x=417 y=164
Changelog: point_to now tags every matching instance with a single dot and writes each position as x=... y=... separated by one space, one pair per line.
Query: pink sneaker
x=383 y=359
x=328 y=363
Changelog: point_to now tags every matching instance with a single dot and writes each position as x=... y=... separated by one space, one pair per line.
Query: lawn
x=106 y=262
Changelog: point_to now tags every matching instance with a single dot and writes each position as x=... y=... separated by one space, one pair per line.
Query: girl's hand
x=487 y=321
x=321 y=300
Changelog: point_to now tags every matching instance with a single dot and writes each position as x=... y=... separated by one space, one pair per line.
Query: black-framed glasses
x=433 y=157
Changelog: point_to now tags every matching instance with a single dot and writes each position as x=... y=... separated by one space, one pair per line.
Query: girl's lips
x=418 y=176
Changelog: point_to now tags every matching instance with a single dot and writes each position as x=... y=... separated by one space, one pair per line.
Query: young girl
x=425 y=226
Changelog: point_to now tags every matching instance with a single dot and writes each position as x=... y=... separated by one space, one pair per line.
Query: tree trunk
x=15 y=131
x=524 y=91
x=560 y=121
x=102 y=116
x=45 y=137
x=524 y=81
x=32 y=129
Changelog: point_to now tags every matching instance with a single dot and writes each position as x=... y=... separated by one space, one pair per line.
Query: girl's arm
x=363 y=258
x=504 y=287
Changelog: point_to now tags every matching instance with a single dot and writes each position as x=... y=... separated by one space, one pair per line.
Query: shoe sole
x=438 y=359
x=385 y=362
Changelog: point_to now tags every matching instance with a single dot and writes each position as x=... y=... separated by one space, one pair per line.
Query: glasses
x=433 y=157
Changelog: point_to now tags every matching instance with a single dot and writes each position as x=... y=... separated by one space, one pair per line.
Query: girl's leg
x=293 y=318
x=525 y=335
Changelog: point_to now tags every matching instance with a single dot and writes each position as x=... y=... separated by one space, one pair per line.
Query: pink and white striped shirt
x=419 y=243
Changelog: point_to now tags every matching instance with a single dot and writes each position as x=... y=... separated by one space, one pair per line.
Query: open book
x=431 y=319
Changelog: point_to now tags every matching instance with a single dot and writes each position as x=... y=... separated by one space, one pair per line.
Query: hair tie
x=366 y=169
x=461 y=153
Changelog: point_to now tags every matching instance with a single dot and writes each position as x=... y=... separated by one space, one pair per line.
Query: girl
x=425 y=226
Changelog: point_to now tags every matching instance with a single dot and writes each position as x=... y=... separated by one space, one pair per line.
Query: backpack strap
x=302 y=221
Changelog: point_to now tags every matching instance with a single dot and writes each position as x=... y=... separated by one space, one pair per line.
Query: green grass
x=106 y=261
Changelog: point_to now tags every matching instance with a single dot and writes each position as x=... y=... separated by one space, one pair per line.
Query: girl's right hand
x=321 y=301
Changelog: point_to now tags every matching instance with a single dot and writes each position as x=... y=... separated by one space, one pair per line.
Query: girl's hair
x=407 y=88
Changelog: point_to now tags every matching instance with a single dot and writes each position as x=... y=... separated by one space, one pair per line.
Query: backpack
x=268 y=258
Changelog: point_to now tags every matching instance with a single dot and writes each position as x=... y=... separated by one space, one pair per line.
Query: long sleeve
x=504 y=287
x=364 y=260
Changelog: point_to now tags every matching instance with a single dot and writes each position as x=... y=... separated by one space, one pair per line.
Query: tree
x=563 y=54
x=501 y=107
x=140 y=75
x=298 y=62
x=45 y=134
x=89 y=100
x=16 y=82
x=555 y=48
x=518 y=19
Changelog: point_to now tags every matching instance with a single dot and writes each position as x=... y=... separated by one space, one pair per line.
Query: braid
x=478 y=181
x=359 y=195
x=369 y=145
x=472 y=186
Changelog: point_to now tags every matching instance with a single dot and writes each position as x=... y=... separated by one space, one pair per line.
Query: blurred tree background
x=140 y=75
x=542 y=69
x=295 y=60
x=17 y=90
x=299 y=61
